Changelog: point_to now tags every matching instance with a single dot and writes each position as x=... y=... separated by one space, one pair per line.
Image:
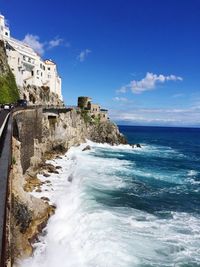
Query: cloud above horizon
x=55 y=42
x=34 y=42
x=156 y=116
x=149 y=82
x=83 y=55
x=40 y=47
x=120 y=99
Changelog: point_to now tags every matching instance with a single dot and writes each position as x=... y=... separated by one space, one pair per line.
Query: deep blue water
x=176 y=159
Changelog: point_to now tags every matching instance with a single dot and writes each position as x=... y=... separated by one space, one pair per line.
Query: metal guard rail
x=5 y=164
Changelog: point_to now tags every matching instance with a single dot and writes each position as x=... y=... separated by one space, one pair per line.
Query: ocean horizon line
x=157 y=126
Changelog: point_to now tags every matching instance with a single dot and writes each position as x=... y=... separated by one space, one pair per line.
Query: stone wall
x=27 y=128
x=40 y=132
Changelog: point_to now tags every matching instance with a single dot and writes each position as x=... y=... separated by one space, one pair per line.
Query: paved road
x=3 y=114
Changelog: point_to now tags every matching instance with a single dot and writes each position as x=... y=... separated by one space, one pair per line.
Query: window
x=43 y=67
x=24 y=58
x=38 y=72
x=49 y=68
x=6 y=33
x=41 y=74
x=32 y=73
x=29 y=60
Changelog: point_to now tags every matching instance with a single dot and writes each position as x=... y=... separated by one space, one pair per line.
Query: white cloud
x=55 y=42
x=40 y=47
x=123 y=89
x=148 y=83
x=83 y=54
x=120 y=99
x=178 y=95
x=156 y=116
x=34 y=42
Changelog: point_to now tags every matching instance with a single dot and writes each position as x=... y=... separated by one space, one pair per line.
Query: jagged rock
x=70 y=177
x=86 y=148
x=106 y=132
x=38 y=190
x=50 y=168
x=136 y=146
x=58 y=167
x=46 y=175
x=22 y=214
x=45 y=198
x=31 y=183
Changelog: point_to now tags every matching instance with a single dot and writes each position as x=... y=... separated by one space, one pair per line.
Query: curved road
x=3 y=114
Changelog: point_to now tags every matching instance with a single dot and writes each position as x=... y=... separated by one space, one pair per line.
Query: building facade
x=85 y=103
x=28 y=66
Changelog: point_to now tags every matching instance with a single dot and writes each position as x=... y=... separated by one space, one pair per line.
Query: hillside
x=8 y=88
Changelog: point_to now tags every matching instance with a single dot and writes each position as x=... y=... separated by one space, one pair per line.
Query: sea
x=118 y=206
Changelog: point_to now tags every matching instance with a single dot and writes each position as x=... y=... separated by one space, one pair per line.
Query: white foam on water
x=86 y=233
x=192 y=173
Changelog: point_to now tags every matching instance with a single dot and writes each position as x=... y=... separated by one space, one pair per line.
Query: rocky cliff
x=8 y=88
x=36 y=95
x=38 y=133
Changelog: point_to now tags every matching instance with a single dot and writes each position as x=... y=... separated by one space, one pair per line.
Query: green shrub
x=13 y=160
x=96 y=120
x=86 y=116
x=8 y=89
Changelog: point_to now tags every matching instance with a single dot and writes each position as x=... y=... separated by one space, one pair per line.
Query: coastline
x=52 y=139
x=47 y=187
x=110 y=193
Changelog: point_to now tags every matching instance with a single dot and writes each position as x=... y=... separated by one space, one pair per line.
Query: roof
x=95 y=104
x=21 y=46
x=49 y=62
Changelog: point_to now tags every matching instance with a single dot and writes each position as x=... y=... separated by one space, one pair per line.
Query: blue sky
x=138 y=58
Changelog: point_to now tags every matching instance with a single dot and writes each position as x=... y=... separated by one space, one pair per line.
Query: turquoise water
x=126 y=207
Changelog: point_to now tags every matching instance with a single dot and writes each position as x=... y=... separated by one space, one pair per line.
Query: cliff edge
x=37 y=134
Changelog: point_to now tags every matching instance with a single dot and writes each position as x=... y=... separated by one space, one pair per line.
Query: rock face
x=86 y=148
x=28 y=214
x=106 y=132
x=39 y=96
x=39 y=134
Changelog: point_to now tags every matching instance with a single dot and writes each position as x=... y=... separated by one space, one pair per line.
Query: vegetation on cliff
x=8 y=89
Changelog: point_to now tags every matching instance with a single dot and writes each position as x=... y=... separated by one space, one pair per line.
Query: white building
x=27 y=66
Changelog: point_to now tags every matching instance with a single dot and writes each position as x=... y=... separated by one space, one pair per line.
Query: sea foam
x=90 y=230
